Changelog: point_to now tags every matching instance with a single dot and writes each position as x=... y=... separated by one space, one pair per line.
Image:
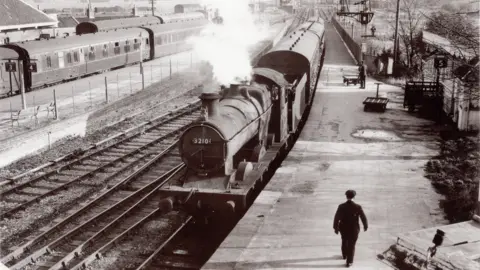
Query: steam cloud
x=225 y=46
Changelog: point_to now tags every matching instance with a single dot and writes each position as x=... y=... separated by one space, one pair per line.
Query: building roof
x=16 y=14
x=446 y=45
x=67 y=21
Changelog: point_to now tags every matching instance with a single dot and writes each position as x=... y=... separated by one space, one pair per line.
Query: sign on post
x=32 y=67
x=364 y=47
x=10 y=67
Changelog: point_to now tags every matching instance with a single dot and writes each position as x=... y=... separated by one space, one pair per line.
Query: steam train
x=245 y=129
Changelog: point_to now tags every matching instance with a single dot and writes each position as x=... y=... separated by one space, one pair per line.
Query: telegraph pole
x=153 y=6
x=396 y=34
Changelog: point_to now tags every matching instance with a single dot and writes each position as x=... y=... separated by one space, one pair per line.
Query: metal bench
x=35 y=114
x=51 y=108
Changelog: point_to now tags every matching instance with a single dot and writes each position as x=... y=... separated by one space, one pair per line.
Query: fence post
x=118 y=89
x=130 y=74
x=49 y=145
x=106 y=89
x=11 y=113
x=170 y=68
x=73 y=99
x=90 y=92
x=55 y=104
x=143 y=76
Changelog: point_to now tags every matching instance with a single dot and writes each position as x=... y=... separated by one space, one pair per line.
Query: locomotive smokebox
x=210 y=103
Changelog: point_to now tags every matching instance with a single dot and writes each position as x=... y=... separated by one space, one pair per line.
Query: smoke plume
x=226 y=46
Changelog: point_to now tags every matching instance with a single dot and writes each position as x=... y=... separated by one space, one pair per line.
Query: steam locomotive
x=246 y=128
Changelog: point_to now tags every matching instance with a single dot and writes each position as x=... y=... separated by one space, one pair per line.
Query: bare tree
x=409 y=29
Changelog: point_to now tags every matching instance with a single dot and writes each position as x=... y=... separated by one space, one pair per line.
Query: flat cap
x=350 y=193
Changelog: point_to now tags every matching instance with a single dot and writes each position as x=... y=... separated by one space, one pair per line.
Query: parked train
x=106 y=25
x=72 y=57
x=244 y=129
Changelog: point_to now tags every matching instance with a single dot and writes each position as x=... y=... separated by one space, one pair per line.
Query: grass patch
x=455 y=174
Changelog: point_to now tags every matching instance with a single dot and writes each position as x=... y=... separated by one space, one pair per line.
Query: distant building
x=17 y=15
x=19 y=21
x=460 y=80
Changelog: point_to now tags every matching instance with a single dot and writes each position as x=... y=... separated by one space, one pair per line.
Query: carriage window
x=69 y=58
x=75 y=57
x=127 y=46
x=91 y=55
x=159 y=40
x=116 y=49
x=105 y=50
x=49 y=62
x=136 y=44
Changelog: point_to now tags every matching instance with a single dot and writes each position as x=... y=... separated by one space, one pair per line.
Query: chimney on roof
x=90 y=11
x=134 y=11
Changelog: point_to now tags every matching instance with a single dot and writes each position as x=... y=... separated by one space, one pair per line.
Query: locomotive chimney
x=210 y=102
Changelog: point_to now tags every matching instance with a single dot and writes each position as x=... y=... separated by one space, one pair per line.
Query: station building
x=20 y=21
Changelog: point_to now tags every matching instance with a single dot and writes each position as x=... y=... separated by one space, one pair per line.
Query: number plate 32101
x=202 y=141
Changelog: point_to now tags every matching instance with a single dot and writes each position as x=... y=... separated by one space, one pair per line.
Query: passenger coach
x=67 y=58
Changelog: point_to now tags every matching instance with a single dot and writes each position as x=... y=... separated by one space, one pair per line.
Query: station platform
x=380 y=155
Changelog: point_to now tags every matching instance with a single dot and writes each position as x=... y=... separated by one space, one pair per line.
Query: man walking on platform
x=362 y=74
x=346 y=221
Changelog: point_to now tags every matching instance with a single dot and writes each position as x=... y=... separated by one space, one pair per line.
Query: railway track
x=111 y=169
x=102 y=222
x=109 y=162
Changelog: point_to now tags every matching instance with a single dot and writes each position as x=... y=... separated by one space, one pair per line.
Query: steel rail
x=152 y=257
x=99 y=169
x=27 y=247
x=149 y=189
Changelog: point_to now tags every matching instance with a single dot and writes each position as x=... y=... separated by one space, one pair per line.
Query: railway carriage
x=170 y=38
x=184 y=8
x=67 y=58
x=106 y=25
x=5 y=76
x=226 y=150
x=183 y=17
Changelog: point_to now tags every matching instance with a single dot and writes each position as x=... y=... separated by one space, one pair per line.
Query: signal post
x=11 y=67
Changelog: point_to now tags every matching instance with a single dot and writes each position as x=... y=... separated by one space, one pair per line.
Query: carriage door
x=61 y=60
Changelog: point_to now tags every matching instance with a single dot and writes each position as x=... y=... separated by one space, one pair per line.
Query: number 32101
x=201 y=140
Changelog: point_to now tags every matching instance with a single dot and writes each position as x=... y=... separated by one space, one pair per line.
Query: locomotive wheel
x=244 y=168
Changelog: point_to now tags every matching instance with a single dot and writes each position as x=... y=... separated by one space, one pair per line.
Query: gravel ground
x=14 y=229
x=140 y=244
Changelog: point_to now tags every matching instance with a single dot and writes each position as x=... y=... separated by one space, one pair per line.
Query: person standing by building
x=362 y=69
x=346 y=222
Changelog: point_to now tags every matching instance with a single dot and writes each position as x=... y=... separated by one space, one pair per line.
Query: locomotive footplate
x=236 y=200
